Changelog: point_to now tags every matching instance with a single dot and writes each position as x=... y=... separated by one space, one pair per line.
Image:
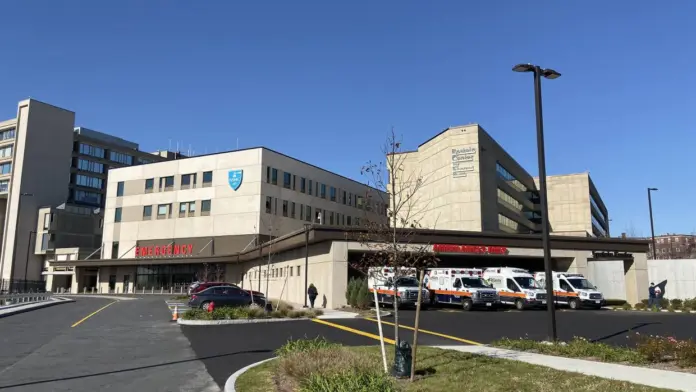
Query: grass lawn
x=446 y=370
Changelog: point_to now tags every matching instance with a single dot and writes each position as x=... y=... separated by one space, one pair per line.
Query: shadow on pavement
x=625 y=331
x=132 y=369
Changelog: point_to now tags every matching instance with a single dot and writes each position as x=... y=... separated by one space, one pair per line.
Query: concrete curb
x=650 y=311
x=114 y=297
x=229 y=384
x=238 y=321
x=35 y=305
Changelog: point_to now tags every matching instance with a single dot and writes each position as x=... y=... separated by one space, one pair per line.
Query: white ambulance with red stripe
x=573 y=290
x=516 y=286
x=384 y=279
x=460 y=286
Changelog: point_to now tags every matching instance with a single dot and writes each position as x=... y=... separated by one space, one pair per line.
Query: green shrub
x=348 y=381
x=576 y=348
x=352 y=291
x=645 y=302
x=362 y=298
x=690 y=303
x=196 y=314
x=676 y=303
x=664 y=303
x=640 y=306
x=614 y=302
x=181 y=298
x=304 y=345
x=627 y=306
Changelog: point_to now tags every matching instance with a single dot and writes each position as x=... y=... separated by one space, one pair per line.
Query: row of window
x=188 y=181
x=91 y=166
x=510 y=225
x=276 y=272
x=87 y=197
x=89 y=181
x=6 y=152
x=531 y=194
x=510 y=201
x=165 y=211
x=317 y=189
x=7 y=134
x=289 y=209
x=99 y=152
x=597 y=209
x=6 y=168
x=598 y=227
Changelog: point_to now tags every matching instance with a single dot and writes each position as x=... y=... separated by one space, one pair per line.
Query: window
x=89 y=181
x=285 y=208
x=350 y=199
x=344 y=197
x=294 y=182
x=147 y=212
x=357 y=221
x=302 y=215
x=163 y=211
x=119 y=188
x=275 y=206
x=6 y=168
x=47 y=221
x=318 y=216
x=509 y=201
x=287 y=180
x=144 y=161
x=6 y=152
x=292 y=210
x=308 y=214
x=332 y=193
x=117 y=214
x=508 y=225
x=86 y=197
x=7 y=134
x=88 y=149
x=274 y=176
x=207 y=178
x=166 y=183
x=44 y=241
x=87 y=165
x=361 y=201
x=348 y=220
x=268 y=174
x=121 y=157
x=188 y=181
x=291 y=270
x=187 y=209
x=114 y=251
x=509 y=178
x=298 y=270
x=303 y=184
x=331 y=218
x=4 y=185
x=149 y=185
x=310 y=188
x=205 y=207
x=269 y=200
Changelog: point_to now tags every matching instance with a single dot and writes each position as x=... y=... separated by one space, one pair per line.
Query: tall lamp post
x=548 y=74
x=652 y=226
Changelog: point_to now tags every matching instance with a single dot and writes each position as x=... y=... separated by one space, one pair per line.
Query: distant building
x=673 y=246
x=48 y=168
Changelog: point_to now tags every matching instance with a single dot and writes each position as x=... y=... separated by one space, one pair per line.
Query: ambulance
x=461 y=286
x=381 y=279
x=573 y=290
x=516 y=286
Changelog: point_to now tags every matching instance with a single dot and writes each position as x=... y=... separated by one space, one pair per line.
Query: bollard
x=152 y=290
x=161 y=290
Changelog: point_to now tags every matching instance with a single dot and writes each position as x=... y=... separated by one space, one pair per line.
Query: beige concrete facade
x=575 y=206
x=471 y=183
x=195 y=201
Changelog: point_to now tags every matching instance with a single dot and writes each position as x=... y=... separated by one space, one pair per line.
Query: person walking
x=658 y=297
x=651 y=295
x=312 y=293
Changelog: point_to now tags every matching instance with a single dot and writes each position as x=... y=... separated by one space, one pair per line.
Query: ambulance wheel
x=519 y=304
x=574 y=304
x=467 y=305
x=205 y=305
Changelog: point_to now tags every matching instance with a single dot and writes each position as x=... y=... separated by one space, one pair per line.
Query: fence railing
x=15 y=299
x=22 y=286
x=179 y=289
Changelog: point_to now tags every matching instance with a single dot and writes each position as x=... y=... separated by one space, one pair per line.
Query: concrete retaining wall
x=676 y=277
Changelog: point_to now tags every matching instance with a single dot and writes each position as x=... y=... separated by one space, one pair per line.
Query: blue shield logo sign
x=234 y=178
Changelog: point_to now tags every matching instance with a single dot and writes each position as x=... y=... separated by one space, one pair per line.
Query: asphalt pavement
x=127 y=346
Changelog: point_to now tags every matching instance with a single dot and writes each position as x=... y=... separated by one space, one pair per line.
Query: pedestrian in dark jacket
x=652 y=296
x=312 y=293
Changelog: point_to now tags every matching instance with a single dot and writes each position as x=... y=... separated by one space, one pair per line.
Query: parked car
x=225 y=296
x=200 y=286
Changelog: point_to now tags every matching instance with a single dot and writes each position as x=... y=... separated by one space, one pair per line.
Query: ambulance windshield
x=527 y=283
x=580 y=284
x=407 y=282
x=473 y=282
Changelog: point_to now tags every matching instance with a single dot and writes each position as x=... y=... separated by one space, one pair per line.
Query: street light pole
x=652 y=226
x=545 y=236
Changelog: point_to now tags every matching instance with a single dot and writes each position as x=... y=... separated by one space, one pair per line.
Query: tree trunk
x=414 y=348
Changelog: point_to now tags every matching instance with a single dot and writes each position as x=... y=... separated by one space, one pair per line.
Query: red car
x=204 y=285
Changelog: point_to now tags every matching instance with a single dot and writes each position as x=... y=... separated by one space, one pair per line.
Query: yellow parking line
x=92 y=314
x=431 y=333
x=355 y=331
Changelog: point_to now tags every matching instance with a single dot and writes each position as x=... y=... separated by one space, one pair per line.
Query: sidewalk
x=9 y=310
x=637 y=375
x=328 y=313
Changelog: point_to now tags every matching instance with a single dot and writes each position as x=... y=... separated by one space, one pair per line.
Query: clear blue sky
x=324 y=81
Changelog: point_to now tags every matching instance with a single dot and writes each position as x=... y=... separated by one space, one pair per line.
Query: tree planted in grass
x=397 y=203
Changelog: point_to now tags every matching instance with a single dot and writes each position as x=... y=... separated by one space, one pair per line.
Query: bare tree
x=271 y=223
x=393 y=209
x=632 y=232
x=204 y=273
x=219 y=272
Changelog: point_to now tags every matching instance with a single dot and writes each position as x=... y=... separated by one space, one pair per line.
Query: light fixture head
x=550 y=74
x=652 y=189
x=523 y=68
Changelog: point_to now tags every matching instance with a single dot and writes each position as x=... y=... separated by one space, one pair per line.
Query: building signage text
x=462 y=161
x=474 y=249
x=164 y=250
